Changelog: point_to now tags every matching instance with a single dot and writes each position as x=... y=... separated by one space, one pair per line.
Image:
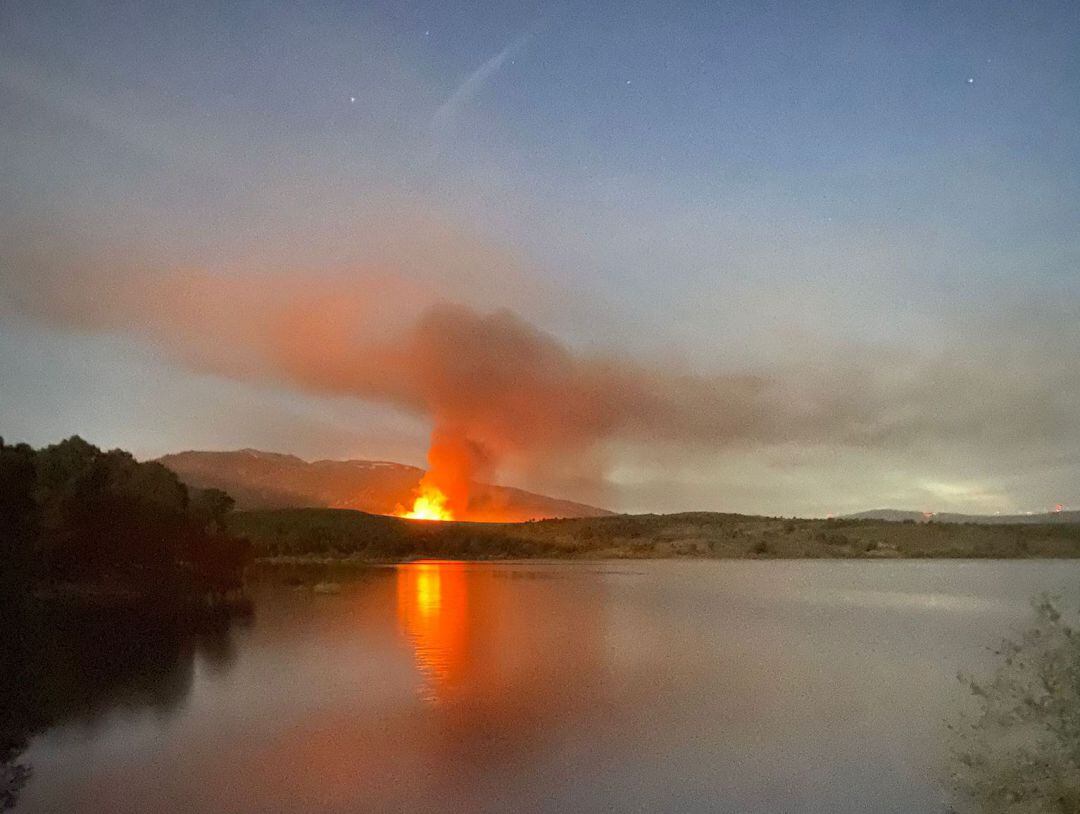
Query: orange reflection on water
x=506 y=658
x=432 y=609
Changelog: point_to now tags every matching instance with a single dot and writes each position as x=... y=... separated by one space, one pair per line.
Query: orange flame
x=430 y=504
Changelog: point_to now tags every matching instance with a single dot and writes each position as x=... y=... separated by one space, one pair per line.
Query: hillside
x=270 y=480
x=329 y=533
x=901 y=515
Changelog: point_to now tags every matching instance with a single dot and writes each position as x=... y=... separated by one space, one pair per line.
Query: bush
x=831 y=538
x=1020 y=751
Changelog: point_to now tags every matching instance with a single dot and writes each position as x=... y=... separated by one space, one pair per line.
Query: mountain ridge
x=257 y=479
x=906 y=515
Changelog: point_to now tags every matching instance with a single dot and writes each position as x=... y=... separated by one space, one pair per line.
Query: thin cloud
x=151 y=136
x=444 y=117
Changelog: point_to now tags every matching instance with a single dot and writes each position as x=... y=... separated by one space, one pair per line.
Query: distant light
x=352 y=99
x=971 y=80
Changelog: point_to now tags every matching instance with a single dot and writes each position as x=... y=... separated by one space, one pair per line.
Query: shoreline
x=365 y=562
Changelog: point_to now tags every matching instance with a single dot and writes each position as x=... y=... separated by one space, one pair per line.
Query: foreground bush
x=1020 y=751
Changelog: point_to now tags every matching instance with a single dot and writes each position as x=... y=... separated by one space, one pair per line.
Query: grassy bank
x=320 y=533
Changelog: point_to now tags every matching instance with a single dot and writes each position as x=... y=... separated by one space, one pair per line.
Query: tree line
x=73 y=514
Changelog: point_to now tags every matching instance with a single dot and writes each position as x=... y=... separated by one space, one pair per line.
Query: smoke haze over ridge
x=497 y=390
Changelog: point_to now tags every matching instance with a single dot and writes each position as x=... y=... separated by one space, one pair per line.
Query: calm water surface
x=551 y=687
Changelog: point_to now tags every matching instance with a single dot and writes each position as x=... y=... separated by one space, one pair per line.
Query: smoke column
x=496 y=389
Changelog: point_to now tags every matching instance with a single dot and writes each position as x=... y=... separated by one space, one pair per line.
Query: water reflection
x=434 y=686
x=432 y=609
x=539 y=687
x=507 y=658
x=75 y=669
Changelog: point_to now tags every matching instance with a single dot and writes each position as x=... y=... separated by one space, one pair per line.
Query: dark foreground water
x=553 y=687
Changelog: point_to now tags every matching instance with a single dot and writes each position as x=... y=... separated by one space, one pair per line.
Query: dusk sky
x=813 y=258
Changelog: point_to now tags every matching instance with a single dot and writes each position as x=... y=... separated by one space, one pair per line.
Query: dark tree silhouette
x=105 y=562
x=72 y=513
x=18 y=519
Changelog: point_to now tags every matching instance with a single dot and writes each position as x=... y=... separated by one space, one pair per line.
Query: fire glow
x=430 y=504
x=443 y=492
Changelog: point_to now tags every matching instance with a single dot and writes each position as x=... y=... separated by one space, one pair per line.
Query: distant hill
x=270 y=480
x=900 y=515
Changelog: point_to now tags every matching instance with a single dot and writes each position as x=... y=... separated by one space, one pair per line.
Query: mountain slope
x=899 y=515
x=270 y=480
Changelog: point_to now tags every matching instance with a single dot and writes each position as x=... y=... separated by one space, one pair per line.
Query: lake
x=645 y=686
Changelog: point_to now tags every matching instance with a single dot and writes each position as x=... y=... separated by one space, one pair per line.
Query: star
x=352 y=99
x=971 y=80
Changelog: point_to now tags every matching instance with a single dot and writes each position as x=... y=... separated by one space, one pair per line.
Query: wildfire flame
x=430 y=504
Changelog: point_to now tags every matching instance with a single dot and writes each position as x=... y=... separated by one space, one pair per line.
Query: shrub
x=1020 y=751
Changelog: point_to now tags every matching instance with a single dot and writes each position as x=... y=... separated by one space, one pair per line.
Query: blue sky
x=818 y=188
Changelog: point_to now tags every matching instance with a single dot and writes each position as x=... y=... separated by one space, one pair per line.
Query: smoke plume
x=497 y=390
